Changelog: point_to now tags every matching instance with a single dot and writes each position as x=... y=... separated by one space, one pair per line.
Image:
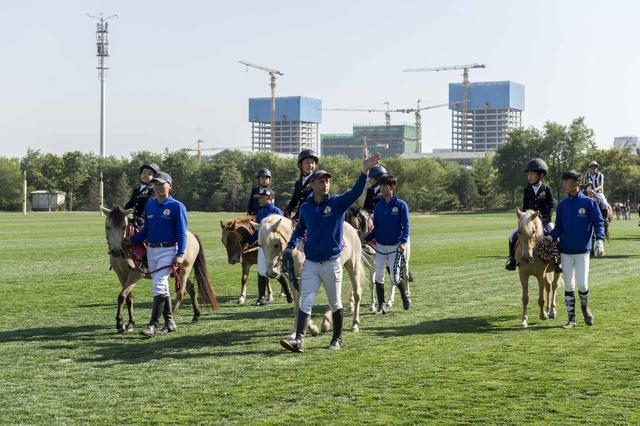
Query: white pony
x=273 y=235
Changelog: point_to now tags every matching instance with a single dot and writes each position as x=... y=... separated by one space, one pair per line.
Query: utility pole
x=102 y=44
x=24 y=190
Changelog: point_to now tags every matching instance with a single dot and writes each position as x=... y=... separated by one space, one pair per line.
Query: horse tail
x=202 y=277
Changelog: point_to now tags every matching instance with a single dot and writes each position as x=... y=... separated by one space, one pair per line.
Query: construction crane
x=418 y=116
x=273 y=73
x=387 y=111
x=198 y=150
x=465 y=90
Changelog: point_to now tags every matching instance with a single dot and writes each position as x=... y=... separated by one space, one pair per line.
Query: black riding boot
x=404 y=294
x=570 y=301
x=262 y=290
x=151 y=329
x=167 y=313
x=297 y=344
x=382 y=306
x=584 y=304
x=284 y=283
x=511 y=261
x=336 y=339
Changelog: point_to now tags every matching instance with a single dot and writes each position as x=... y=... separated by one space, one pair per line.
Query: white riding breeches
x=328 y=273
x=385 y=256
x=602 y=200
x=159 y=257
x=575 y=270
x=262 y=263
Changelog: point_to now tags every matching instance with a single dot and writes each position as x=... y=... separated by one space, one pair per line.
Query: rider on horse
x=537 y=196
x=265 y=199
x=142 y=193
x=263 y=176
x=594 y=184
x=307 y=163
x=373 y=194
x=391 y=233
x=165 y=229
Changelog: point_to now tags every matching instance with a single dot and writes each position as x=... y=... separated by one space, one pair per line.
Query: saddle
x=138 y=252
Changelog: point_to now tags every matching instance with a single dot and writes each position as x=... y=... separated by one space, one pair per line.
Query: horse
x=273 y=235
x=235 y=234
x=117 y=232
x=362 y=221
x=530 y=233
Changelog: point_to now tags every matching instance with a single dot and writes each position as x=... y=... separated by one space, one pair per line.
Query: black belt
x=163 y=245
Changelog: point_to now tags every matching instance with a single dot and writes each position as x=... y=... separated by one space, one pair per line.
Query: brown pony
x=235 y=234
x=117 y=229
x=530 y=232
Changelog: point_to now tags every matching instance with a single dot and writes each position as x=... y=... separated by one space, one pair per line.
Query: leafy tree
x=10 y=184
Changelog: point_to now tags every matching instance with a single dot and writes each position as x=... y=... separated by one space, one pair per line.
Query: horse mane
x=268 y=221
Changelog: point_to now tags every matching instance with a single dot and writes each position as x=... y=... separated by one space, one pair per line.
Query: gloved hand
x=598 y=250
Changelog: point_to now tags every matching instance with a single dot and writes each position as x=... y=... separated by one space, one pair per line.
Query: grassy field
x=458 y=356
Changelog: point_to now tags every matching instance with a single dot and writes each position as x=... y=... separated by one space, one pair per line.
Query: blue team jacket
x=164 y=223
x=265 y=211
x=322 y=223
x=390 y=222
x=576 y=218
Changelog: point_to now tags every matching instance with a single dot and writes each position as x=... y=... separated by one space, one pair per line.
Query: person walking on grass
x=391 y=235
x=320 y=221
x=578 y=217
x=165 y=229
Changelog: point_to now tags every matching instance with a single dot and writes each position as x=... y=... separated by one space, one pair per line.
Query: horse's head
x=273 y=234
x=234 y=234
x=530 y=231
x=116 y=228
x=359 y=219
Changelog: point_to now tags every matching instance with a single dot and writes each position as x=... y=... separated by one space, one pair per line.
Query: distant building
x=296 y=124
x=45 y=200
x=389 y=140
x=627 y=142
x=461 y=158
x=493 y=108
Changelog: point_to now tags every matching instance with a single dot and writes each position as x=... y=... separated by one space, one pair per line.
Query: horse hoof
x=544 y=317
x=553 y=314
x=241 y=300
x=130 y=327
x=372 y=307
x=195 y=320
x=325 y=327
x=524 y=325
x=121 y=328
x=313 y=329
x=389 y=303
x=270 y=298
x=355 y=328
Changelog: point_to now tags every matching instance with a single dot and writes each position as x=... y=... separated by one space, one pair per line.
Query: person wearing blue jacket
x=321 y=219
x=265 y=197
x=578 y=217
x=165 y=230
x=391 y=234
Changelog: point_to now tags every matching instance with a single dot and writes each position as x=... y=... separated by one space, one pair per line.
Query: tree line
x=223 y=182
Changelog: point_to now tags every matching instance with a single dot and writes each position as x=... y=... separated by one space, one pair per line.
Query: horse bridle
x=127 y=233
x=236 y=234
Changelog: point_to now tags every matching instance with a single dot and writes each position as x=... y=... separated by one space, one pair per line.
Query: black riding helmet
x=151 y=166
x=377 y=171
x=307 y=153
x=537 y=165
x=263 y=172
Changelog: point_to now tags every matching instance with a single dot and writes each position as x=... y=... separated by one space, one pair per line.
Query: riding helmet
x=151 y=166
x=263 y=172
x=593 y=163
x=307 y=153
x=537 y=165
x=377 y=171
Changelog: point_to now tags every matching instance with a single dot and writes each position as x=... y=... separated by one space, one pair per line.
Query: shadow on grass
x=47 y=334
x=147 y=302
x=139 y=350
x=616 y=256
x=457 y=325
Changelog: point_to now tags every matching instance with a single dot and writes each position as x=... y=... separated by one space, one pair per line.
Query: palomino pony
x=275 y=232
x=235 y=234
x=362 y=221
x=117 y=229
x=530 y=233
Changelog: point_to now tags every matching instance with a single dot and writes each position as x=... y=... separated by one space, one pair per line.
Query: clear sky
x=174 y=75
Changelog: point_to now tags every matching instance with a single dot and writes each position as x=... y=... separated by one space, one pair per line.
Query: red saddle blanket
x=137 y=251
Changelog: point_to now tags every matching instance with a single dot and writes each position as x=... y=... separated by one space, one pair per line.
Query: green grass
x=457 y=357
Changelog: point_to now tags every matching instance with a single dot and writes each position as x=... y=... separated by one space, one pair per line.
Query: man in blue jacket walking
x=321 y=219
x=391 y=233
x=165 y=229
x=577 y=218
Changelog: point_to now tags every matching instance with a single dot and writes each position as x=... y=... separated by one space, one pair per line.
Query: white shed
x=45 y=200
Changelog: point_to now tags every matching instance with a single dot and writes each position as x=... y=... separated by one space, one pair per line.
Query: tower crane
x=418 y=116
x=273 y=74
x=387 y=111
x=465 y=90
x=198 y=150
